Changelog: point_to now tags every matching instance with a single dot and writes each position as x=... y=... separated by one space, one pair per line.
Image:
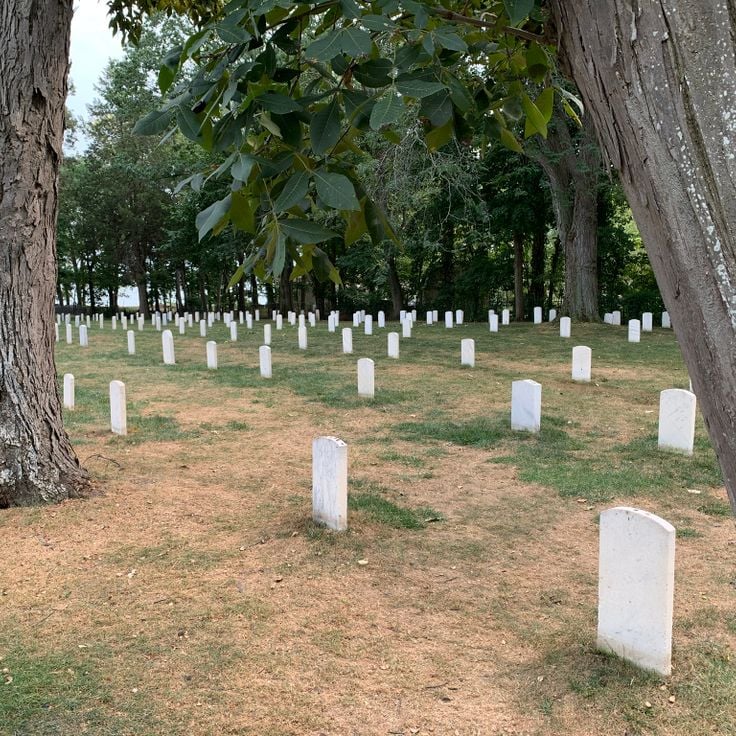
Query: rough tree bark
x=518 y=277
x=37 y=462
x=659 y=81
x=573 y=168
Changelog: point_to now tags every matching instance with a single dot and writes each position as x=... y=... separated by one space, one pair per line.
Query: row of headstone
x=645 y=324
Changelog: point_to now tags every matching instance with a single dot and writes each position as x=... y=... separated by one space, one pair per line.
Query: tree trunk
x=286 y=301
x=394 y=283
x=659 y=80
x=37 y=462
x=536 y=287
x=518 y=277
x=254 y=291
x=553 y=273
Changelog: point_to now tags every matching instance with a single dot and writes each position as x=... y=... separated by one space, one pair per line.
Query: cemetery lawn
x=193 y=596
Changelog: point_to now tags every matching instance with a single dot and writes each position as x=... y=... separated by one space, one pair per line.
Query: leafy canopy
x=284 y=91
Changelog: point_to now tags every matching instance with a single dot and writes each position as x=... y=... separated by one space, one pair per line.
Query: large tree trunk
x=659 y=80
x=536 y=287
x=573 y=167
x=37 y=463
x=518 y=277
x=394 y=283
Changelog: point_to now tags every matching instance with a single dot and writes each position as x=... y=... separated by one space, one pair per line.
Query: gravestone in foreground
x=118 y=408
x=330 y=482
x=537 y=315
x=212 y=354
x=467 y=352
x=526 y=406
x=167 y=342
x=581 y=362
x=366 y=371
x=634 y=330
x=677 y=420
x=636 y=581
x=264 y=358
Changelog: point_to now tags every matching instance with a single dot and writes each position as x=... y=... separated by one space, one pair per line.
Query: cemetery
x=473 y=534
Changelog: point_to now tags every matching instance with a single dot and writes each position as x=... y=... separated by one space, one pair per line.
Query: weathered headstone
x=526 y=406
x=552 y=315
x=634 y=330
x=429 y=318
x=347 y=340
x=402 y=315
x=677 y=420
x=312 y=319
x=646 y=322
x=393 y=344
x=69 y=337
x=330 y=482
x=56 y=326
x=493 y=323
x=459 y=316
x=381 y=319
x=666 y=320
x=330 y=323
x=368 y=324
x=233 y=331
x=607 y=318
x=435 y=316
x=356 y=319
x=565 y=324
x=506 y=317
x=182 y=326
x=636 y=582
x=467 y=352
x=582 y=358
x=366 y=386
x=118 y=408
x=302 y=337
x=131 y=342
x=141 y=323
x=264 y=357
x=406 y=327
x=83 y=338
x=279 y=322
x=167 y=342
x=114 y=322
x=68 y=391
x=211 y=352
x=537 y=315
x=266 y=334
x=448 y=320
x=202 y=328
x=616 y=317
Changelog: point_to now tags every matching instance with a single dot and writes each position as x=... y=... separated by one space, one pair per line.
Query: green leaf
x=518 y=9
x=449 y=40
x=243 y=211
x=242 y=167
x=545 y=103
x=189 y=124
x=335 y=190
x=232 y=33
x=355 y=41
x=279 y=256
x=374 y=72
x=239 y=272
x=269 y=124
x=377 y=23
x=165 y=78
x=305 y=231
x=325 y=47
x=154 y=123
x=438 y=137
x=535 y=122
x=293 y=192
x=278 y=103
x=350 y=8
x=536 y=62
x=509 y=140
x=437 y=107
x=324 y=130
x=212 y=216
x=410 y=86
x=388 y=110
x=355 y=225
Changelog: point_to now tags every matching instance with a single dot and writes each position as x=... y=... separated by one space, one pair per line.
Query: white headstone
x=202 y=328
x=124 y=322
x=608 y=318
x=56 y=326
x=493 y=323
x=233 y=331
x=526 y=406
x=636 y=582
x=393 y=344
x=677 y=420
x=196 y=316
x=537 y=315
x=249 y=321
x=402 y=315
x=83 y=339
x=330 y=482
x=302 y=337
x=264 y=357
x=167 y=342
x=565 y=323
x=330 y=323
x=257 y=315
x=368 y=324
x=582 y=358
x=356 y=319
x=634 y=330
x=413 y=316
x=366 y=385
x=448 y=320
x=131 y=342
x=429 y=318
x=266 y=334
x=182 y=326
x=616 y=317
x=435 y=316
x=646 y=322
x=381 y=319
x=506 y=317
x=241 y=318
x=666 y=320
x=279 y=322
x=68 y=333
x=68 y=391
x=118 y=408
x=347 y=340
x=552 y=315
x=467 y=352
x=212 y=354
x=114 y=322
x=459 y=316
x=190 y=320
x=102 y=321
x=76 y=320
x=312 y=319
x=406 y=327
x=141 y=323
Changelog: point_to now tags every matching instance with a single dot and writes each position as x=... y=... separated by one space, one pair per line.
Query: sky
x=92 y=46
